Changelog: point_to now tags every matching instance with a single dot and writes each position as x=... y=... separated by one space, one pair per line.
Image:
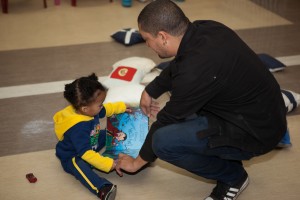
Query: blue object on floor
x=126 y=3
x=128 y=36
x=285 y=141
x=273 y=64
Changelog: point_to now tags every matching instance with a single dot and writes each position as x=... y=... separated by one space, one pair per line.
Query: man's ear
x=163 y=36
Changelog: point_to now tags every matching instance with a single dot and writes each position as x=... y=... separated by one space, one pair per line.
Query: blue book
x=126 y=133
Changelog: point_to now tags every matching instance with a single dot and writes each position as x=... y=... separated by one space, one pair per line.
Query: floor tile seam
x=111 y=41
x=57 y=86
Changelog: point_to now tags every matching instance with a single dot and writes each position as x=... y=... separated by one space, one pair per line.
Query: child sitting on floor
x=77 y=128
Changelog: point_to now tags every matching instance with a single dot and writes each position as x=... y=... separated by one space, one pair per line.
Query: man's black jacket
x=217 y=75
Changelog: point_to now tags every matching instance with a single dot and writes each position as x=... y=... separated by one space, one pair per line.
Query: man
x=225 y=105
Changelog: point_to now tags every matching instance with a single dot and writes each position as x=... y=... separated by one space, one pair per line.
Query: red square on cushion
x=124 y=73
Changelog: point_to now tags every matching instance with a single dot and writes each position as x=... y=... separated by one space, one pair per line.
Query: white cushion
x=141 y=63
x=129 y=71
x=130 y=94
x=150 y=76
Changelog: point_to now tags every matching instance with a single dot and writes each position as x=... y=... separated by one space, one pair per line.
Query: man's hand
x=149 y=107
x=129 y=164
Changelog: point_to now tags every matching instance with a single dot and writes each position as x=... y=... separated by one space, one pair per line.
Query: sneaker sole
x=243 y=187
x=245 y=184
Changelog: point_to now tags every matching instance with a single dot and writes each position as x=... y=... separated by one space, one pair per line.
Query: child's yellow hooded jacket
x=78 y=135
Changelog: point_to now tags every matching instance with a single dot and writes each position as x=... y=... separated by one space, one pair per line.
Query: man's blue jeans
x=179 y=145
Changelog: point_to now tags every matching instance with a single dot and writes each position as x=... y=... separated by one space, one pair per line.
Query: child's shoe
x=108 y=192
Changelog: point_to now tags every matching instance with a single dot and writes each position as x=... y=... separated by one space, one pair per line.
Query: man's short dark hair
x=163 y=15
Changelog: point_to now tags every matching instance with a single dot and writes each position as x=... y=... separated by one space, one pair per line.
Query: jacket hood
x=65 y=119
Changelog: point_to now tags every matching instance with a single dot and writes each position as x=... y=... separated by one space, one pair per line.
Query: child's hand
x=128 y=109
x=113 y=167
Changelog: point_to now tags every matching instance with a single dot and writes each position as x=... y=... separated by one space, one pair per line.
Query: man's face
x=156 y=44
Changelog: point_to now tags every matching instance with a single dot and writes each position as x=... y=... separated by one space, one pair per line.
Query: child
x=77 y=128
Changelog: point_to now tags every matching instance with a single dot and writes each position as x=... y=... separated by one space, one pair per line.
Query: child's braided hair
x=81 y=92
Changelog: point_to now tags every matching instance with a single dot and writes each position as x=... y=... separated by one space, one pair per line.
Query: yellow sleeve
x=100 y=162
x=114 y=108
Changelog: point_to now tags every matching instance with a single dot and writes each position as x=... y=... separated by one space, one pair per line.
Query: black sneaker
x=107 y=192
x=225 y=192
